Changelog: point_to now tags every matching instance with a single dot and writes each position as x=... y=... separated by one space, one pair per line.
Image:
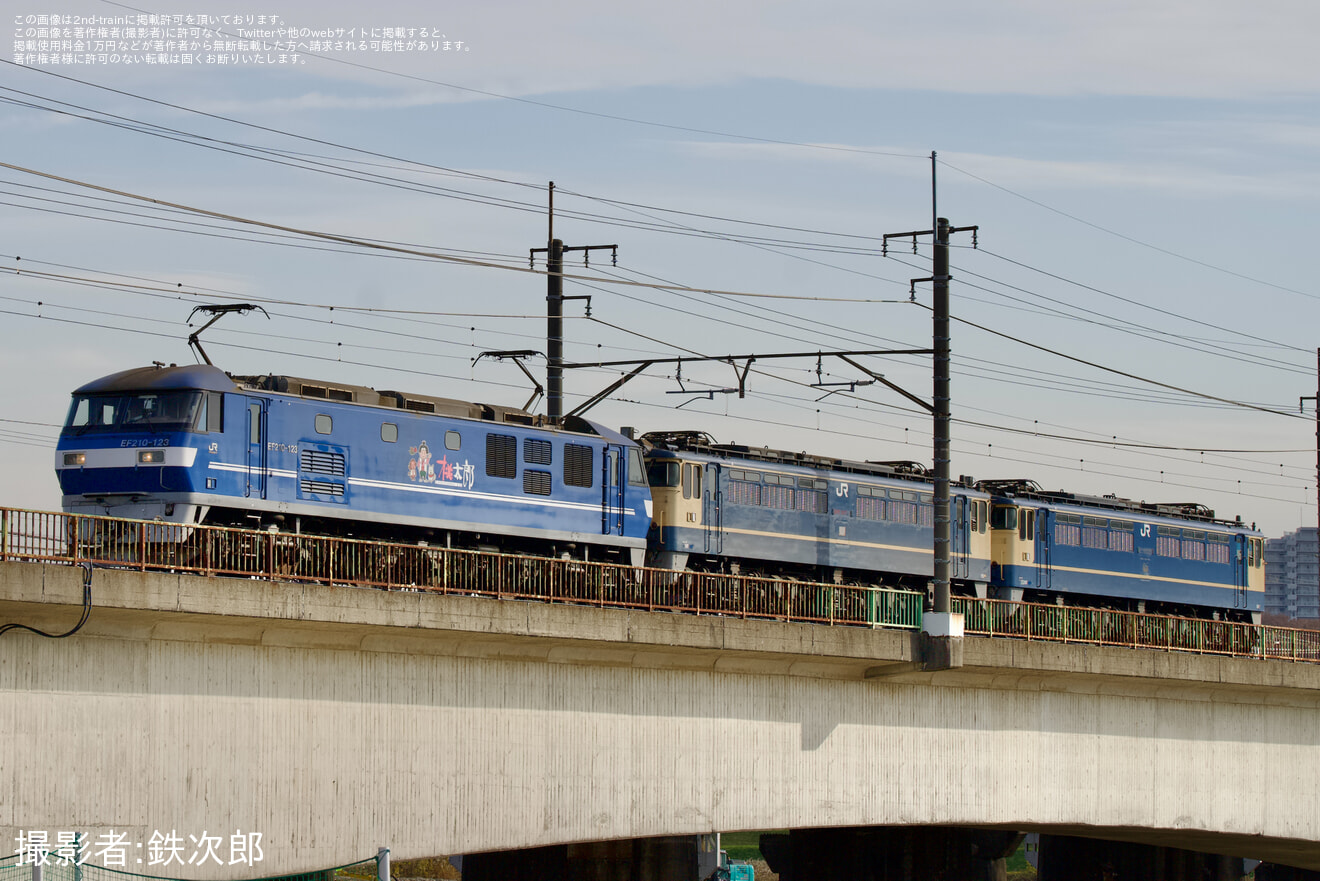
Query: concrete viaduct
x=332 y=720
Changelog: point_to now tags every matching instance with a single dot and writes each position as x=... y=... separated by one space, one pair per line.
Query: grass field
x=742 y=845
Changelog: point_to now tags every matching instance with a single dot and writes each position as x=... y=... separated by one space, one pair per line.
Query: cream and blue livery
x=729 y=508
x=1089 y=551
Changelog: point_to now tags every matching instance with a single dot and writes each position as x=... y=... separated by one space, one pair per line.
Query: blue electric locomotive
x=740 y=509
x=1090 y=551
x=196 y=445
x=193 y=444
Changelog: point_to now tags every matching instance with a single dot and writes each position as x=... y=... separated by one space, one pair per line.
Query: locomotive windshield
x=663 y=472
x=145 y=411
x=1004 y=517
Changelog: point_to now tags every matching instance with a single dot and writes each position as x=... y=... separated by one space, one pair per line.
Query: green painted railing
x=38 y=536
x=280 y=556
x=1136 y=630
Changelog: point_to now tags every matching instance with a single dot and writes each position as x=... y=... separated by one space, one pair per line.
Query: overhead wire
x=690 y=129
x=1127 y=238
x=1124 y=326
x=328 y=165
x=631 y=206
x=1055 y=352
x=448 y=258
x=590 y=113
x=606 y=201
x=1181 y=316
x=340 y=360
x=1232 y=403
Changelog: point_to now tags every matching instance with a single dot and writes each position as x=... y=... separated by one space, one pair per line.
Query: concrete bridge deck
x=333 y=720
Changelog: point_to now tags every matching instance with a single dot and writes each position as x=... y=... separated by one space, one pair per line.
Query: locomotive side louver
x=321 y=487
x=318 y=462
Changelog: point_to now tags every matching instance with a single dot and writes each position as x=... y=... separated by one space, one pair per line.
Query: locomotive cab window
x=1004 y=517
x=210 y=410
x=1027 y=525
x=978 y=516
x=663 y=473
x=1255 y=555
x=691 y=481
x=636 y=468
x=215 y=418
x=145 y=411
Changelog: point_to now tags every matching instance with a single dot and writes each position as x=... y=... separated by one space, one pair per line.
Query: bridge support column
x=890 y=853
x=665 y=859
x=1064 y=858
x=532 y=864
x=1271 y=872
x=941 y=641
x=600 y=861
x=671 y=858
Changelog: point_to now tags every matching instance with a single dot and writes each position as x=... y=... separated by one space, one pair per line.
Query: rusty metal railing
x=1035 y=621
x=280 y=556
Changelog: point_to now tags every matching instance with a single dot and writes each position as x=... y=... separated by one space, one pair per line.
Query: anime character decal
x=423 y=469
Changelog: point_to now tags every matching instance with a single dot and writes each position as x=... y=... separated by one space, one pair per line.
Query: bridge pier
x=1271 y=872
x=669 y=858
x=890 y=853
x=189 y=702
x=1066 y=858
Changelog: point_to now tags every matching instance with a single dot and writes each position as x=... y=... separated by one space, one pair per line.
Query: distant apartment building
x=1292 y=575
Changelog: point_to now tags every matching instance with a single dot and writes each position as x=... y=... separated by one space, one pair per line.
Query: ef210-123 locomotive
x=195 y=445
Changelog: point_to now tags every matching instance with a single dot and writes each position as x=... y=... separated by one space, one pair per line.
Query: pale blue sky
x=1159 y=152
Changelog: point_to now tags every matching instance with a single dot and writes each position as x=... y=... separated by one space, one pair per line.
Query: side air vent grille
x=501 y=455
x=536 y=483
x=318 y=462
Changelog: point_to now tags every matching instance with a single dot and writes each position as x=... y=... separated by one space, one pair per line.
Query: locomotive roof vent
x=901 y=466
x=681 y=440
x=1014 y=486
x=308 y=388
x=429 y=404
x=1193 y=510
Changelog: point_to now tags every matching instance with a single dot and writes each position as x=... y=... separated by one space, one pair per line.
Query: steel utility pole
x=943 y=528
x=943 y=627
x=1301 y=402
x=554 y=312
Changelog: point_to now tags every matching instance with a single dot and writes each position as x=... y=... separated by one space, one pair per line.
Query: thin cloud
x=1014 y=171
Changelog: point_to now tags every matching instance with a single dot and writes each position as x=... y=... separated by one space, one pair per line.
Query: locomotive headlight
x=151 y=457
x=75 y=458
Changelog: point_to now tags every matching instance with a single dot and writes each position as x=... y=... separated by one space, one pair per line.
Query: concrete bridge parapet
x=333 y=720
